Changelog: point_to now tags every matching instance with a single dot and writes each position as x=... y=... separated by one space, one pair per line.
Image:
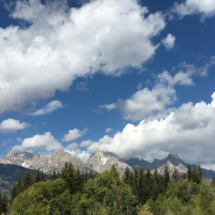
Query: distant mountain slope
x=47 y=164
x=9 y=174
x=171 y=161
x=101 y=161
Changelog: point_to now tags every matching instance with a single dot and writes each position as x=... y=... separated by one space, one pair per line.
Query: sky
x=135 y=78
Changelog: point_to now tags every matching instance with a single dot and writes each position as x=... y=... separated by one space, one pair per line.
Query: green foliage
x=141 y=193
x=28 y=180
x=43 y=198
x=4 y=204
x=1 y=205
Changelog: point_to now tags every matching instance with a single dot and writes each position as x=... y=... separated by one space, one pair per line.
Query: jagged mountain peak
x=101 y=161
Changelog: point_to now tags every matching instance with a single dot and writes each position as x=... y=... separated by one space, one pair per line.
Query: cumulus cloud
x=86 y=143
x=156 y=102
x=189 y=131
x=62 y=44
x=169 y=41
x=83 y=155
x=108 y=130
x=45 y=141
x=206 y=8
x=12 y=125
x=50 y=107
x=72 y=146
x=74 y=134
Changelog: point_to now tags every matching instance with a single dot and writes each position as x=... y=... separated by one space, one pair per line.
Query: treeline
x=137 y=192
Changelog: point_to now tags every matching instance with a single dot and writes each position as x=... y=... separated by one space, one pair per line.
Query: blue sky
x=132 y=77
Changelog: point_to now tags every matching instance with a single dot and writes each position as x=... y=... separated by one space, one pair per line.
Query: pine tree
x=37 y=176
x=1 y=205
x=156 y=189
x=175 y=176
x=4 y=203
x=131 y=180
x=147 y=187
x=126 y=177
x=58 y=174
x=14 y=192
x=68 y=175
x=54 y=175
x=20 y=187
x=140 y=186
x=91 y=174
x=86 y=176
x=50 y=176
x=184 y=176
x=78 y=181
x=42 y=176
x=28 y=180
x=135 y=183
x=213 y=181
x=201 y=173
x=166 y=177
x=189 y=173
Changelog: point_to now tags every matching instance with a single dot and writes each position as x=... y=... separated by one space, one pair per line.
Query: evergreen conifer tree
x=213 y=181
x=78 y=180
x=135 y=185
x=175 y=176
x=126 y=177
x=189 y=173
x=140 y=186
x=131 y=180
x=147 y=186
x=20 y=186
x=86 y=176
x=1 y=205
x=42 y=176
x=50 y=176
x=157 y=185
x=166 y=177
x=54 y=175
x=68 y=176
x=28 y=180
x=184 y=175
x=91 y=174
x=4 y=204
x=14 y=192
x=37 y=176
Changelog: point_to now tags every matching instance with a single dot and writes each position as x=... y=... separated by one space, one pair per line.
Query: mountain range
x=13 y=164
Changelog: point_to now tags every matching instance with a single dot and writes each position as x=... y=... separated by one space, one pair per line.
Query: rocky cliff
x=47 y=164
x=101 y=161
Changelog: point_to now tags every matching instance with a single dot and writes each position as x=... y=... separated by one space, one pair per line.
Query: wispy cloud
x=50 y=107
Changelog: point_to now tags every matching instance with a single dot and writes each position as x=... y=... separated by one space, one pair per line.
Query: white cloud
x=82 y=86
x=169 y=41
x=188 y=131
x=46 y=142
x=50 y=107
x=204 y=7
x=156 y=102
x=63 y=44
x=108 y=130
x=73 y=134
x=83 y=155
x=72 y=146
x=86 y=143
x=12 y=125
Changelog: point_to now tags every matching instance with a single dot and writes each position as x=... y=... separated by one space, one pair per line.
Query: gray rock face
x=101 y=161
x=23 y=159
x=47 y=164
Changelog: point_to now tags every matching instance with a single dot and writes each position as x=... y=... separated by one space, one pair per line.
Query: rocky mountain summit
x=172 y=161
x=47 y=164
x=101 y=161
x=98 y=162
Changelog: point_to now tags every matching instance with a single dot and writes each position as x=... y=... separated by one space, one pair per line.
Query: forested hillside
x=136 y=193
